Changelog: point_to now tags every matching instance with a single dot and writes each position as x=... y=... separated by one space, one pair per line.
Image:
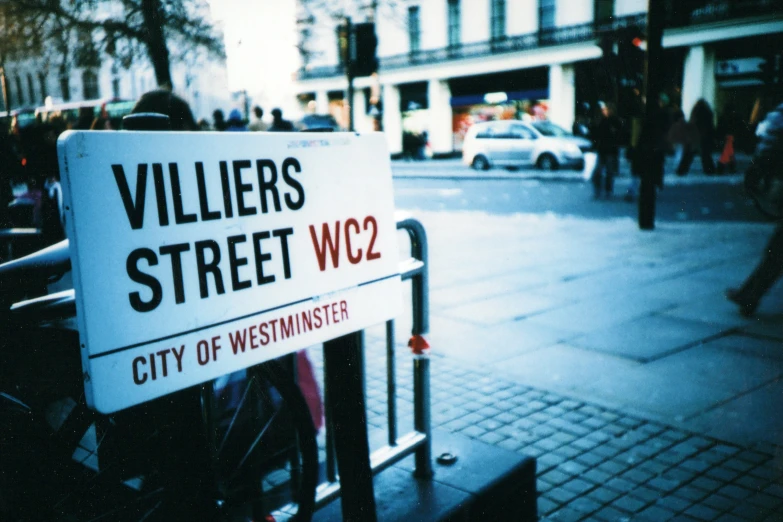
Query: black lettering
x=227 y=206
x=291 y=182
x=235 y=262
x=175 y=251
x=134 y=209
x=265 y=186
x=283 y=234
x=176 y=194
x=160 y=194
x=242 y=188
x=211 y=267
x=261 y=258
x=139 y=377
x=206 y=214
x=136 y=275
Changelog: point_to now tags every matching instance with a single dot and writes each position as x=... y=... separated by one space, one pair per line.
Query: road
x=693 y=198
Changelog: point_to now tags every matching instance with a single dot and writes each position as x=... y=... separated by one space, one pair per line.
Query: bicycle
x=191 y=455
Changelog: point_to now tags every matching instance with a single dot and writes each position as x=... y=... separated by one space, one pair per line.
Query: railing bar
x=391 y=383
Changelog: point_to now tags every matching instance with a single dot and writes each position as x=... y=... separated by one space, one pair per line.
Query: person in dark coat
x=763 y=183
x=702 y=119
x=219 y=120
x=607 y=143
x=235 y=122
x=279 y=124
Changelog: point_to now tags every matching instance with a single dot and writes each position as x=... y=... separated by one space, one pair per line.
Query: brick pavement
x=594 y=462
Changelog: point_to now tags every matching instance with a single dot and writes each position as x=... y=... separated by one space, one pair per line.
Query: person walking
x=702 y=119
x=257 y=124
x=607 y=143
x=278 y=123
x=766 y=165
x=219 y=120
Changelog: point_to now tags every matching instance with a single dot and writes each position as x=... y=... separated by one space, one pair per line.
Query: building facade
x=31 y=81
x=445 y=64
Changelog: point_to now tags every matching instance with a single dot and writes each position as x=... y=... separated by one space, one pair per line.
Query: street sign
x=199 y=254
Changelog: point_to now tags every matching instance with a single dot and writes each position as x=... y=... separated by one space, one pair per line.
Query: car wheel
x=480 y=163
x=547 y=162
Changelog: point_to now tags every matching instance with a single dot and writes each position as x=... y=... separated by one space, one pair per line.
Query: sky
x=261 y=55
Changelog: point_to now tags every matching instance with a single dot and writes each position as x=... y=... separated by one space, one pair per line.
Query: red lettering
x=317 y=317
x=215 y=347
x=202 y=346
x=370 y=254
x=307 y=321
x=334 y=313
x=326 y=314
x=238 y=341
x=253 y=344
x=273 y=322
x=286 y=327
x=352 y=223
x=343 y=310
x=264 y=335
x=326 y=241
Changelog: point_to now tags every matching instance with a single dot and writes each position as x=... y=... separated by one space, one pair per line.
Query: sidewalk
x=456 y=170
x=611 y=356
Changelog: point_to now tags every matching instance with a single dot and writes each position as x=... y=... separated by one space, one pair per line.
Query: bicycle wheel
x=263 y=444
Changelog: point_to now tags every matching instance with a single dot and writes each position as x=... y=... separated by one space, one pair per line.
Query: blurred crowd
x=30 y=192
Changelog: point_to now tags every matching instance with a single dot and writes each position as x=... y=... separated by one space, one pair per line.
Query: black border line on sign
x=221 y=323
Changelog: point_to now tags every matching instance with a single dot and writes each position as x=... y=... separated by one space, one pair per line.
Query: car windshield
x=547 y=128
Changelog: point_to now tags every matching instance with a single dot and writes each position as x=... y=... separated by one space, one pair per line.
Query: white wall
x=629 y=7
x=521 y=17
x=391 y=27
x=434 y=24
x=573 y=12
x=475 y=20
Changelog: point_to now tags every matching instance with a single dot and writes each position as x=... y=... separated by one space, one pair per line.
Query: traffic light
x=365 y=61
x=630 y=52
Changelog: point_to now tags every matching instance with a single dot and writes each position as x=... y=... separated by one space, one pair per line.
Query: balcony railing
x=543 y=38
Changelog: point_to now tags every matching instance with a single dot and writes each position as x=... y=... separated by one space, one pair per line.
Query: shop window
x=546 y=14
x=604 y=10
x=454 y=16
x=414 y=28
x=19 y=91
x=498 y=19
x=90 y=85
x=42 y=85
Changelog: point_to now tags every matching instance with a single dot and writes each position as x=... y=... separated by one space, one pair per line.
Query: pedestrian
x=582 y=123
x=702 y=119
x=258 y=123
x=760 y=182
x=649 y=153
x=278 y=123
x=162 y=101
x=729 y=126
x=219 y=120
x=235 y=122
x=607 y=144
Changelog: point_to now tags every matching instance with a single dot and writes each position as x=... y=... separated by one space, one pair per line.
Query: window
x=604 y=10
x=19 y=91
x=521 y=132
x=498 y=19
x=90 y=85
x=414 y=28
x=42 y=85
x=454 y=23
x=546 y=14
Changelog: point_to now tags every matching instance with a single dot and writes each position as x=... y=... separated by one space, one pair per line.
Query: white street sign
x=199 y=254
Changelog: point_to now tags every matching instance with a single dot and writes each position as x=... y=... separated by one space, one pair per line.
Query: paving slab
x=647 y=338
x=503 y=308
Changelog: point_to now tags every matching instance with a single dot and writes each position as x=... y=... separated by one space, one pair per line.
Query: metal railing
x=690 y=12
x=418 y=441
x=546 y=37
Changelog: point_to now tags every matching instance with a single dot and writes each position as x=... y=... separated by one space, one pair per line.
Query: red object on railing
x=418 y=344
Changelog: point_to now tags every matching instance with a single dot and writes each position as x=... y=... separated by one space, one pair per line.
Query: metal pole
x=391 y=384
x=656 y=13
x=350 y=58
x=343 y=377
x=421 y=414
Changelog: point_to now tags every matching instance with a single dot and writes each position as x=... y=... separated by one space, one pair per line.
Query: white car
x=513 y=143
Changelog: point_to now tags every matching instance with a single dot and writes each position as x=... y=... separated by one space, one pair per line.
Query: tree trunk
x=156 y=42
